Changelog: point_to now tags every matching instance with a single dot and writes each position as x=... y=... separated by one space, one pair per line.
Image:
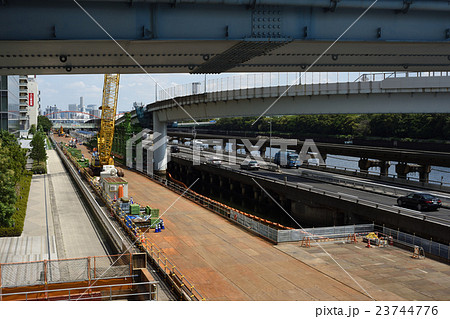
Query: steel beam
x=213 y=36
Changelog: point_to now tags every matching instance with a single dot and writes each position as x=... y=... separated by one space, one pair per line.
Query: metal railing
x=430 y=247
x=101 y=292
x=283 y=80
x=46 y=272
x=440 y=183
x=323 y=232
x=362 y=185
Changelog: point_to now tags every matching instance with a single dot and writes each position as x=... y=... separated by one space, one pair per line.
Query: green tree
x=7 y=185
x=45 y=123
x=16 y=156
x=38 y=152
x=32 y=130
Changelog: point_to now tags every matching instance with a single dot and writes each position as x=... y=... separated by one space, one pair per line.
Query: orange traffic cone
x=368 y=243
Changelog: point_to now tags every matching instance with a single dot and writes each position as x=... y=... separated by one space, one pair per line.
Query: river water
x=438 y=174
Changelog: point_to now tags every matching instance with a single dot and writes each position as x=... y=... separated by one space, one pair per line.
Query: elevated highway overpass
x=204 y=36
x=390 y=94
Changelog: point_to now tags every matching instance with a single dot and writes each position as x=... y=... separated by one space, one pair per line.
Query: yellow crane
x=106 y=135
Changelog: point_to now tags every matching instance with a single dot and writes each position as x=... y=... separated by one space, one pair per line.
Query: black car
x=420 y=201
x=174 y=149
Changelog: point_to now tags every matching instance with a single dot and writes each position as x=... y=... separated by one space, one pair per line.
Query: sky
x=62 y=90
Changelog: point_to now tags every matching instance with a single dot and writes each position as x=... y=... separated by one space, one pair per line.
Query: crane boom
x=109 y=108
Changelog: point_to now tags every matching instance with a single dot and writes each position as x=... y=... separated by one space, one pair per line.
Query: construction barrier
x=429 y=247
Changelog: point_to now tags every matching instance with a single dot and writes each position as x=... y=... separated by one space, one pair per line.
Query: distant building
x=97 y=113
x=9 y=104
x=73 y=108
x=34 y=102
x=81 y=107
x=24 y=118
x=50 y=112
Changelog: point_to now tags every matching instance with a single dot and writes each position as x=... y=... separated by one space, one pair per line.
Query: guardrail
x=362 y=185
x=374 y=175
x=396 y=210
x=282 y=80
x=177 y=280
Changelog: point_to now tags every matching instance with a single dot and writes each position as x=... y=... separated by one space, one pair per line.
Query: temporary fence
x=64 y=270
x=429 y=247
x=325 y=232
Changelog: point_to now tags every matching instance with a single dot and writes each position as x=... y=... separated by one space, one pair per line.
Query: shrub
x=39 y=168
x=18 y=218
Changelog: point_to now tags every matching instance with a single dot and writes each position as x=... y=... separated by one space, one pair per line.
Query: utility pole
x=270 y=141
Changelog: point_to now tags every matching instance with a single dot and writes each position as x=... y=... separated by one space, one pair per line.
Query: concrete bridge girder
x=320 y=104
x=184 y=38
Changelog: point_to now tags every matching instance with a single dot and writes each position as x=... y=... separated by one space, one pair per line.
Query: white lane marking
x=423 y=271
x=388 y=259
x=358 y=247
x=369 y=265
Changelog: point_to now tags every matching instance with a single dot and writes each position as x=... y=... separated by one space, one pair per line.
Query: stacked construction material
x=134 y=209
x=84 y=162
x=75 y=152
x=154 y=216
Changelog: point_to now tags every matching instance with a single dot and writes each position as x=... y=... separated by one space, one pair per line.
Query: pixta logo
x=150 y=143
x=154 y=145
x=283 y=156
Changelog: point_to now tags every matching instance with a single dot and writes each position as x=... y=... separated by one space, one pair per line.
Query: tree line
x=402 y=126
x=12 y=166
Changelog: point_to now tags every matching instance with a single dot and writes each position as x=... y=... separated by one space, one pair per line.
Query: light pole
x=270 y=141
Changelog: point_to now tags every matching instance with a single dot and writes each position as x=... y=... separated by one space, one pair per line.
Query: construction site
x=167 y=242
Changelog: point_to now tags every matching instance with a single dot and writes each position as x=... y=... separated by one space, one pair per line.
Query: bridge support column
x=384 y=168
x=255 y=193
x=160 y=146
x=402 y=169
x=364 y=165
x=424 y=173
x=262 y=151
